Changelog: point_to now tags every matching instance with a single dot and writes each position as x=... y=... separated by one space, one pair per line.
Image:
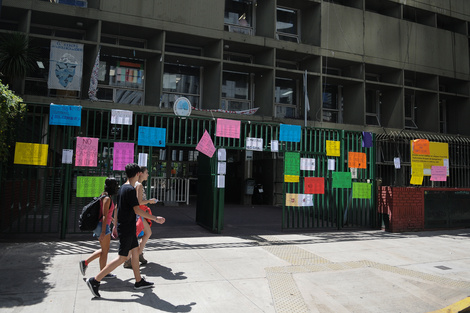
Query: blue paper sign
x=290 y=133
x=152 y=136
x=67 y=115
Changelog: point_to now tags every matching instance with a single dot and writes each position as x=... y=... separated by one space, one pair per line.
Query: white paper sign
x=67 y=156
x=220 y=181
x=221 y=168
x=274 y=145
x=305 y=200
x=222 y=155
x=353 y=172
x=143 y=157
x=255 y=144
x=307 y=164
x=446 y=164
x=121 y=117
x=331 y=164
x=396 y=161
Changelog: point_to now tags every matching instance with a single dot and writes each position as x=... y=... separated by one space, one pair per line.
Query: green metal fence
x=41 y=199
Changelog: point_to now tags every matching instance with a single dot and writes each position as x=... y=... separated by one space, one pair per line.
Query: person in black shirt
x=128 y=207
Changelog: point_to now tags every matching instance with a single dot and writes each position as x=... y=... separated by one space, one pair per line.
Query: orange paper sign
x=421 y=146
x=357 y=160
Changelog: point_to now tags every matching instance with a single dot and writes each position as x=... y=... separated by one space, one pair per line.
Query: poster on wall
x=66 y=64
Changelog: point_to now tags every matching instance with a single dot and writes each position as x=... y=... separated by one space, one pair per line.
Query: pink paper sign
x=87 y=152
x=438 y=173
x=228 y=128
x=123 y=155
x=206 y=145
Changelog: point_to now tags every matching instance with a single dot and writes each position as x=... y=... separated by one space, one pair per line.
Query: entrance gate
x=42 y=199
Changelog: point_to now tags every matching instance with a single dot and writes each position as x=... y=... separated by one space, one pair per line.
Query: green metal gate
x=39 y=199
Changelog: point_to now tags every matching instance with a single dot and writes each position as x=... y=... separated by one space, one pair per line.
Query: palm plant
x=17 y=58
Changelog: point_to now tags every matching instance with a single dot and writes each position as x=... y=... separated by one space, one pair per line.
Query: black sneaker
x=94 y=285
x=83 y=267
x=142 y=284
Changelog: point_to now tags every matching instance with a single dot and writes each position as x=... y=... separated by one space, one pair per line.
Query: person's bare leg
x=111 y=266
x=105 y=243
x=145 y=237
x=135 y=264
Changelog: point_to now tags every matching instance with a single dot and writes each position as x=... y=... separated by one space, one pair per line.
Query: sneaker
x=94 y=285
x=83 y=267
x=142 y=260
x=127 y=264
x=142 y=284
x=110 y=275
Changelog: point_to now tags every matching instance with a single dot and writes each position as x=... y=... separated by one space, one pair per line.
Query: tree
x=12 y=110
x=17 y=57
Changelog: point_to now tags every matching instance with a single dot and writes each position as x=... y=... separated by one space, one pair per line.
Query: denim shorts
x=97 y=231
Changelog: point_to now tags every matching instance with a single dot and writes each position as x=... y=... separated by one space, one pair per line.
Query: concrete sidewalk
x=362 y=271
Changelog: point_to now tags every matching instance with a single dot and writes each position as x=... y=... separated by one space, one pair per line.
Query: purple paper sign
x=123 y=155
x=438 y=173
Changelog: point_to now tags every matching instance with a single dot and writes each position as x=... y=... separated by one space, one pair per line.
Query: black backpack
x=90 y=215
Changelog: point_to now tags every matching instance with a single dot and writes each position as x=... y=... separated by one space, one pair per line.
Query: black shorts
x=127 y=243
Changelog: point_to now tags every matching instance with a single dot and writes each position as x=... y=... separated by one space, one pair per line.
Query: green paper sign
x=90 y=186
x=341 y=179
x=292 y=163
x=361 y=190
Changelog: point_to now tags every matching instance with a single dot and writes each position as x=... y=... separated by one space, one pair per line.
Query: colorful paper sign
x=86 y=152
x=290 y=133
x=228 y=128
x=438 y=152
x=143 y=157
x=357 y=160
x=333 y=148
x=123 y=155
x=292 y=163
x=307 y=164
x=341 y=180
x=438 y=173
x=254 y=144
x=31 y=153
x=361 y=190
x=67 y=156
x=416 y=180
x=291 y=178
x=66 y=115
x=417 y=169
x=90 y=186
x=205 y=145
x=420 y=146
x=294 y=199
x=152 y=136
x=314 y=185
x=366 y=140
x=122 y=117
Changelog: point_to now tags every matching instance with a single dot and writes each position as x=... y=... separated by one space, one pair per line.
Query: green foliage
x=17 y=56
x=12 y=110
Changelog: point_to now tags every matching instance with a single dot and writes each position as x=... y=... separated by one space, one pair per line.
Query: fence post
x=67 y=183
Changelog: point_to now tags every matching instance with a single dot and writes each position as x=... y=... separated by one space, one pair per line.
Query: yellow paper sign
x=291 y=178
x=416 y=180
x=31 y=153
x=333 y=148
x=292 y=199
x=438 y=151
x=417 y=169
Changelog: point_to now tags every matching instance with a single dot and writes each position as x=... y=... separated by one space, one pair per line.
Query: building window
x=238 y=16
x=121 y=80
x=443 y=116
x=287 y=24
x=236 y=91
x=410 y=112
x=332 y=104
x=373 y=100
x=180 y=81
x=286 y=98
